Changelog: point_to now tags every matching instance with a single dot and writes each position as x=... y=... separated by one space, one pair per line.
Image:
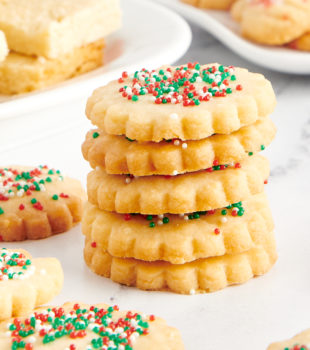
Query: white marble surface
x=244 y=317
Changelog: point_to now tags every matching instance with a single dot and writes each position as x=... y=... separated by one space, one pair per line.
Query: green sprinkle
x=152 y=224
x=149 y=218
x=95 y=134
x=224 y=212
x=251 y=154
x=33 y=201
x=135 y=98
x=1 y=211
x=55 y=197
x=262 y=147
x=165 y=220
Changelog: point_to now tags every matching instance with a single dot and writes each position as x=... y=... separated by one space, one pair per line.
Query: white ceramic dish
x=225 y=29
x=140 y=42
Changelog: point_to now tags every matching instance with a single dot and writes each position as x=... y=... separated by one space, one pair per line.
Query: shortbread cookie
x=182 y=239
x=120 y=155
x=190 y=102
x=26 y=282
x=53 y=28
x=82 y=326
x=272 y=22
x=191 y=192
x=3 y=47
x=302 y=43
x=211 y=4
x=300 y=342
x=38 y=72
x=37 y=202
x=203 y=275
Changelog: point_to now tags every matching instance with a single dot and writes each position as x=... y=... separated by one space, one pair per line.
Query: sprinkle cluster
x=14 y=265
x=15 y=183
x=297 y=347
x=235 y=209
x=188 y=85
x=109 y=332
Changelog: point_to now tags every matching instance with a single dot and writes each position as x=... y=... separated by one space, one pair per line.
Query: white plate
x=225 y=29
x=142 y=41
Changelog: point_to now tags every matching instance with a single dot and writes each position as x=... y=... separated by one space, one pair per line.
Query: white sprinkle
x=160 y=222
x=224 y=220
x=160 y=216
x=175 y=172
x=184 y=145
x=128 y=180
x=192 y=292
x=174 y=116
x=185 y=217
x=176 y=142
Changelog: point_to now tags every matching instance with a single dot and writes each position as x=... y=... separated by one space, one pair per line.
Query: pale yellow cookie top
x=301 y=341
x=53 y=27
x=189 y=102
x=3 y=47
x=147 y=332
x=272 y=22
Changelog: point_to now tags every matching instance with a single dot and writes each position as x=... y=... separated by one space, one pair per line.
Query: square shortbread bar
x=21 y=73
x=51 y=28
x=3 y=47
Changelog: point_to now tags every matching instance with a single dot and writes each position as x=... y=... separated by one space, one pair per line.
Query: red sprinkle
x=217 y=231
x=94 y=244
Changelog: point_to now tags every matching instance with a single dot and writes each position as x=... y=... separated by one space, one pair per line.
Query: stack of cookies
x=52 y=40
x=176 y=197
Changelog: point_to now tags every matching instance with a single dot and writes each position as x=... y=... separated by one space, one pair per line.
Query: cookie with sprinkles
x=301 y=341
x=180 y=238
x=211 y=4
x=120 y=155
x=26 y=282
x=76 y=326
x=199 y=276
x=208 y=189
x=189 y=102
x=272 y=22
x=37 y=202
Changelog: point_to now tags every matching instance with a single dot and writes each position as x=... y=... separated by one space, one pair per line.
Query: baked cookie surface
x=301 y=341
x=180 y=239
x=26 y=283
x=38 y=72
x=186 y=193
x=189 y=102
x=53 y=28
x=211 y=4
x=302 y=43
x=272 y=22
x=83 y=326
x=37 y=202
x=120 y=155
x=203 y=275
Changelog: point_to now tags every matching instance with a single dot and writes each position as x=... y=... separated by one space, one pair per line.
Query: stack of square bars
x=176 y=197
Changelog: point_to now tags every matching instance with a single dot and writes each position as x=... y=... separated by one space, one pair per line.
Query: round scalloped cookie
x=302 y=43
x=272 y=22
x=37 y=202
x=180 y=239
x=211 y=4
x=26 y=283
x=179 y=194
x=118 y=155
x=190 y=102
x=203 y=275
x=84 y=326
